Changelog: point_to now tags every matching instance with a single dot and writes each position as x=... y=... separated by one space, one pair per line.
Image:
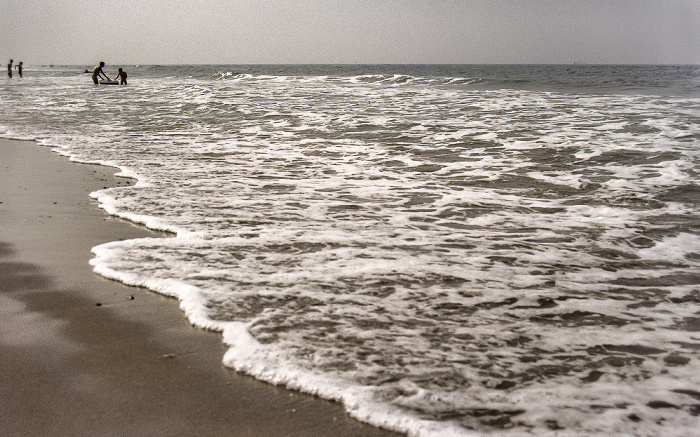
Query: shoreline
x=84 y=355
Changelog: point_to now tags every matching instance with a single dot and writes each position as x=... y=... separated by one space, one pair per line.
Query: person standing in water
x=121 y=75
x=97 y=73
x=19 y=68
x=9 y=68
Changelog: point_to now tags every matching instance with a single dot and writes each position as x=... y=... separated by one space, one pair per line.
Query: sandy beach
x=84 y=356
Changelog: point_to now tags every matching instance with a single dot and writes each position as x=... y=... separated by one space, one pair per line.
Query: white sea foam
x=443 y=260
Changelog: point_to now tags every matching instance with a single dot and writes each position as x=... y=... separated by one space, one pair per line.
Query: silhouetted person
x=19 y=68
x=121 y=75
x=97 y=73
x=9 y=68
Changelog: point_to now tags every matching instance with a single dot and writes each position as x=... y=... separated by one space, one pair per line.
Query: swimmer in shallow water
x=121 y=75
x=97 y=73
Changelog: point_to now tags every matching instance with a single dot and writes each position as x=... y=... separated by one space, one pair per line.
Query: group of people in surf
x=18 y=67
x=98 y=73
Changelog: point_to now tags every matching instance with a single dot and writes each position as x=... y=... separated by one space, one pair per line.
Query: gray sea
x=444 y=249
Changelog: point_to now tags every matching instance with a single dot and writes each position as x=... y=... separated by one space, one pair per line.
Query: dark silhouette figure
x=9 y=68
x=121 y=75
x=97 y=73
x=19 y=68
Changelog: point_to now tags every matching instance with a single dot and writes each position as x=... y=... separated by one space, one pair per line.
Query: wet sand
x=84 y=356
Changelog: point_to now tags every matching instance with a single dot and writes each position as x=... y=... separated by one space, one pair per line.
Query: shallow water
x=444 y=249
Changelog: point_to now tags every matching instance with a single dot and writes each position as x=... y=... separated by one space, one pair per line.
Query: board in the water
x=109 y=82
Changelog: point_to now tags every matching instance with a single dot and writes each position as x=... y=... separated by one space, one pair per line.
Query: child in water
x=122 y=76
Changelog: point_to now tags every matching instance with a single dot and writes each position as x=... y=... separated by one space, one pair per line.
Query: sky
x=75 y=32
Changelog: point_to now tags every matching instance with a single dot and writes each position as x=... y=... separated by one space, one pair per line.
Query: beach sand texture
x=84 y=356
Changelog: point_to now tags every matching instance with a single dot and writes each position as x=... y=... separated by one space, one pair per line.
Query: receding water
x=505 y=250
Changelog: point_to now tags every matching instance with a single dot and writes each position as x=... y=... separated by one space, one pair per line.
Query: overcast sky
x=350 y=31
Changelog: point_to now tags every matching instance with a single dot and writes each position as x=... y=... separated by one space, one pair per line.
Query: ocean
x=447 y=250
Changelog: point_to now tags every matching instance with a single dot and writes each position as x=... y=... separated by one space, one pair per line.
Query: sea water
x=446 y=250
